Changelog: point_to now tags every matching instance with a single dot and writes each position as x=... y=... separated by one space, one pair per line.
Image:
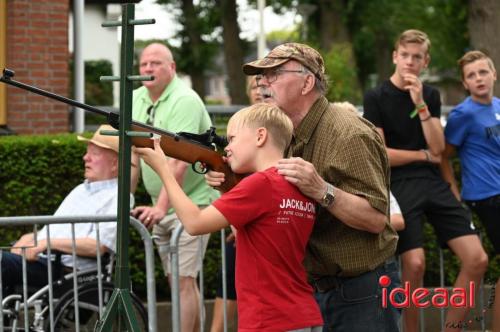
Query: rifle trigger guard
x=199 y=167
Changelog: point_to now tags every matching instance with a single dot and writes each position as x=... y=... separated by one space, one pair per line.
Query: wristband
x=427 y=118
x=427 y=155
x=418 y=109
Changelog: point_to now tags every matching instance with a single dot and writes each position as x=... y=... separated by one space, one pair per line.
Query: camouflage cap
x=302 y=53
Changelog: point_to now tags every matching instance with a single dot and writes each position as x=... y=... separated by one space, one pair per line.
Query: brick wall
x=37 y=50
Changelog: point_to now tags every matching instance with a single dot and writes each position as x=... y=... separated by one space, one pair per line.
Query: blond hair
x=473 y=56
x=250 y=82
x=271 y=117
x=413 y=36
x=345 y=106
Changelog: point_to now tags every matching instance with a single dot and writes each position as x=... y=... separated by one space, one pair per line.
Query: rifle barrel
x=174 y=145
x=48 y=94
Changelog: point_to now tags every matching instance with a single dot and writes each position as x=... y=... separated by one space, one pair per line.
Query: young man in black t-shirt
x=407 y=113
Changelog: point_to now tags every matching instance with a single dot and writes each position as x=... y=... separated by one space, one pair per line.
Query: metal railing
x=175 y=282
x=26 y=302
x=442 y=310
x=176 y=301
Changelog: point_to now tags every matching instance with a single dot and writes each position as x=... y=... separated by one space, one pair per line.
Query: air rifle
x=196 y=149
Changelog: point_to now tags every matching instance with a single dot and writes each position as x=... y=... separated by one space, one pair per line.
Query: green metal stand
x=119 y=309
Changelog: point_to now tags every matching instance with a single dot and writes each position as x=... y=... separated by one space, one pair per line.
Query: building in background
x=35 y=46
x=36 y=42
x=100 y=43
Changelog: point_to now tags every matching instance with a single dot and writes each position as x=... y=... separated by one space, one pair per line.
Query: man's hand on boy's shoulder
x=303 y=174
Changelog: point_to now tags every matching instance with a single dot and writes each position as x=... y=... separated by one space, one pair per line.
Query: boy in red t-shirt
x=273 y=220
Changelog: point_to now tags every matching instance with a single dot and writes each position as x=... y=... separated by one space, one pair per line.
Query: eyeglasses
x=272 y=75
x=151 y=115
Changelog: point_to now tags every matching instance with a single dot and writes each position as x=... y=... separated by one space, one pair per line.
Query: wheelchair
x=90 y=292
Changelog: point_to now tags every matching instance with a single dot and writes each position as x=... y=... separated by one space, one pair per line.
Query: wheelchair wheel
x=88 y=304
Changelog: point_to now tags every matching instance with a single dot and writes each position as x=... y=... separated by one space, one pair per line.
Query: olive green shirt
x=347 y=152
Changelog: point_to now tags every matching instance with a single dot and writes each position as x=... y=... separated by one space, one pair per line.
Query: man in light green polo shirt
x=168 y=103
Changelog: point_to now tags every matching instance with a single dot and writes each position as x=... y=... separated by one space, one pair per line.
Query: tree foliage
x=372 y=26
x=209 y=26
x=198 y=38
x=369 y=27
x=343 y=77
x=96 y=91
x=444 y=22
x=233 y=50
x=483 y=27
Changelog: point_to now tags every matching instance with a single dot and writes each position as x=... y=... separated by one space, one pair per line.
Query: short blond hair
x=269 y=116
x=413 y=36
x=473 y=56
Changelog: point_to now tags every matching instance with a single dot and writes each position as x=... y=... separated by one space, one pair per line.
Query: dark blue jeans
x=355 y=304
x=12 y=272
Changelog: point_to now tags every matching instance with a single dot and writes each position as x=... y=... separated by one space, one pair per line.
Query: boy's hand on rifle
x=156 y=158
x=214 y=179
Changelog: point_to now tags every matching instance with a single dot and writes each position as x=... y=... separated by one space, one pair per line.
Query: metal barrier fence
x=43 y=312
x=176 y=301
x=175 y=297
x=442 y=310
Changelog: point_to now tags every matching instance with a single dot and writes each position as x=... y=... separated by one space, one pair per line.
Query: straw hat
x=103 y=141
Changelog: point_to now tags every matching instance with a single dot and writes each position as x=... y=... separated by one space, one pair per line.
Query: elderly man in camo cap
x=338 y=159
x=305 y=55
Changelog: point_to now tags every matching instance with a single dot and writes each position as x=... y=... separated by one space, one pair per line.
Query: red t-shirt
x=274 y=221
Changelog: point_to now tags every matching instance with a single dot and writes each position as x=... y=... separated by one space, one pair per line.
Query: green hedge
x=37 y=172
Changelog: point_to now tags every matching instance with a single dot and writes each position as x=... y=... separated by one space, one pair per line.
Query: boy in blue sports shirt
x=473 y=130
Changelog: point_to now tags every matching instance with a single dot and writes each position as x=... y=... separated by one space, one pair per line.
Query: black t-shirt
x=389 y=108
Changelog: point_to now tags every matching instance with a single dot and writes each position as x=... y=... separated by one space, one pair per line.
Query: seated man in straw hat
x=97 y=195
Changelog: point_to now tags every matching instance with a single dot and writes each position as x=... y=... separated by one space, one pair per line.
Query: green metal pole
x=120 y=302
x=122 y=273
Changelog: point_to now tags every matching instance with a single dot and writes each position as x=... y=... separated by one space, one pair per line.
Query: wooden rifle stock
x=178 y=146
x=192 y=148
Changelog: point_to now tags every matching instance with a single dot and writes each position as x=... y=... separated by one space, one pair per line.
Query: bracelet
x=427 y=118
x=427 y=155
x=418 y=109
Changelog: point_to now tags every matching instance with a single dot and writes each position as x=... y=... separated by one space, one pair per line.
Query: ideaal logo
x=419 y=297
x=458 y=298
